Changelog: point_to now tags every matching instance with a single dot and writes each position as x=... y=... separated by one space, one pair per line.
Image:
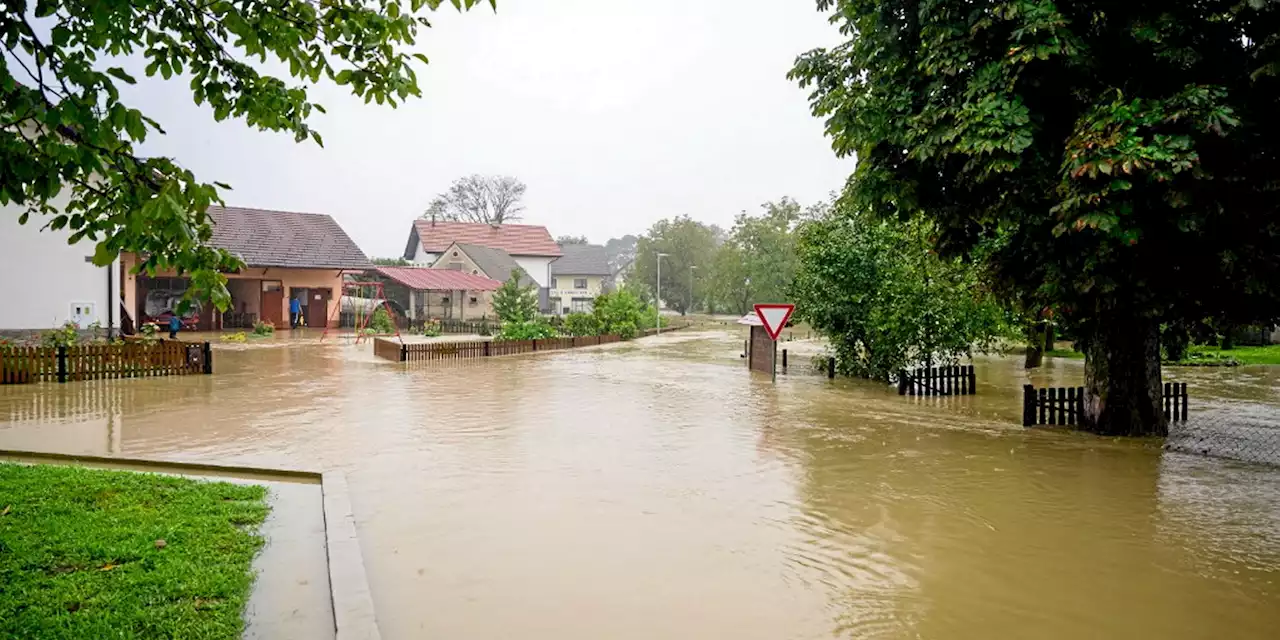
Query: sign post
x=774 y=317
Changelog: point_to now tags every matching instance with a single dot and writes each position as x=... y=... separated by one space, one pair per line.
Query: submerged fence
x=1065 y=405
x=25 y=365
x=938 y=381
x=397 y=352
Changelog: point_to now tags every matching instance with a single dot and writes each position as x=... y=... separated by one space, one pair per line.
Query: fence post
x=208 y=358
x=486 y=348
x=535 y=344
x=902 y=382
x=784 y=358
x=404 y=353
x=1028 y=405
x=831 y=368
x=62 y=364
x=1183 y=394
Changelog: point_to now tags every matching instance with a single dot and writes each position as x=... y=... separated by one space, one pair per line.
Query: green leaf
x=117 y=72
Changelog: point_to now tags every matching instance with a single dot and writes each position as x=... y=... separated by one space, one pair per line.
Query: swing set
x=365 y=299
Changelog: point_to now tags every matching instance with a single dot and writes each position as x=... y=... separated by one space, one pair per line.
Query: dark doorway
x=317 y=308
x=273 y=303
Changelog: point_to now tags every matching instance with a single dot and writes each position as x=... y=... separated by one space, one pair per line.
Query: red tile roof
x=515 y=239
x=438 y=279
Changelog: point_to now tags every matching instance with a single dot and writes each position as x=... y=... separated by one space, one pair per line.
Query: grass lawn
x=1269 y=354
x=1065 y=353
x=89 y=554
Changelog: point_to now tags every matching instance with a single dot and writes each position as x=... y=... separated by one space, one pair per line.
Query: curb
x=354 y=616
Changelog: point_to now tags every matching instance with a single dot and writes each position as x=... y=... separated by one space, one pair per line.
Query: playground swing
x=364 y=299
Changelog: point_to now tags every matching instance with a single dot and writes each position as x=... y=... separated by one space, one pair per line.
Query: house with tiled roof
x=578 y=277
x=288 y=255
x=529 y=246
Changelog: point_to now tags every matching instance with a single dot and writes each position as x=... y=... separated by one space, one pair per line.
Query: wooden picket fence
x=938 y=381
x=1065 y=405
x=25 y=365
x=433 y=351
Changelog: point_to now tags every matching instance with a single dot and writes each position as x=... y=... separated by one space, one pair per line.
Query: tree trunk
x=1049 y=337
x=1035 y=354
x=1036 y=340
x=1122 y=378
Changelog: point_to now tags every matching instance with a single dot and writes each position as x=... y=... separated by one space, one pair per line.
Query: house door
x=273 y=303
x=318 y=308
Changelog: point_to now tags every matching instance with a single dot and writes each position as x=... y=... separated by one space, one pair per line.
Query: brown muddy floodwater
x=657 y=490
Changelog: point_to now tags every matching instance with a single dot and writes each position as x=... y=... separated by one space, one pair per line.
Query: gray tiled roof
x=581 y=260
x=285 y=239
x=496 y=263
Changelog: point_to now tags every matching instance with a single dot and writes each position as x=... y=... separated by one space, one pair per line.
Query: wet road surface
x=656 y=489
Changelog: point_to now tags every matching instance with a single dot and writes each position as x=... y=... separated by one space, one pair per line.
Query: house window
x=474 y=301
x=444 y=301
x=475 y=272
x=579 y=283
x=553 y=284
x=455 y=254
x=581 y=305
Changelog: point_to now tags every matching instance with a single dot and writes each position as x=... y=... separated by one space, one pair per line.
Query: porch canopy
x=425 y=281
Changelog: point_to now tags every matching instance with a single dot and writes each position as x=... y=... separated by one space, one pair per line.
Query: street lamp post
x=657 y=300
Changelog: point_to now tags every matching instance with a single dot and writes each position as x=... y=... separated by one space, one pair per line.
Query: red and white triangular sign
x=774 y=317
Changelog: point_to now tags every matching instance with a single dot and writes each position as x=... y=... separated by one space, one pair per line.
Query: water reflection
x=656 y=489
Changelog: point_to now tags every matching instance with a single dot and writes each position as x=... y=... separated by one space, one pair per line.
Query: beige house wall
x=309 y=278
x=563 y=289
x=459 y=305
x=468 y=266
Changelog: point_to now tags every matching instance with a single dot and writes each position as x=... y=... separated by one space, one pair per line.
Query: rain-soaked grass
x=1269 y=354
x=89 y=554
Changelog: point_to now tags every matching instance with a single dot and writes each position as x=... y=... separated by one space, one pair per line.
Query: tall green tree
x=1118 y=159
x=758 y=261
x=886 y=301
x=65 y=133
x=689 y=246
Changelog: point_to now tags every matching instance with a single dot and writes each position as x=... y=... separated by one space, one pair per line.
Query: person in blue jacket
x=174 y=325
x=295 y=312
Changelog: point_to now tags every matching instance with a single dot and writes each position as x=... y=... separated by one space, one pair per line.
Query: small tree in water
x=886 y=301
x=514 y=303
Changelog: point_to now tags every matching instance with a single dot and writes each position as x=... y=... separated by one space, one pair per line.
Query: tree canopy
x=68 y=142
x=758 y=261
x=1115 y=161
x=477 y=198
x=689 y=247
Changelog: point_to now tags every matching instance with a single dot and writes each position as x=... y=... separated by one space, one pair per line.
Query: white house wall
x=42 y=277
x=423 y=258
x=538 y=268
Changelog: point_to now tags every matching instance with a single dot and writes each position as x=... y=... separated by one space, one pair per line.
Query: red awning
x=423 y=279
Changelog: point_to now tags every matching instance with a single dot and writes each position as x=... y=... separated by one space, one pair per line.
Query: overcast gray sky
x=616 y=113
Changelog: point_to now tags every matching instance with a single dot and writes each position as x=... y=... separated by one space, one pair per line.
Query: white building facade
x=46 y=283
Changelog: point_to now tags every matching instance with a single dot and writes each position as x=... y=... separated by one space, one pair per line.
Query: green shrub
x=381 y=322
x=536 y=329
x=431 y=329
x=581 y=324
x=622 y=314
x=66 y=336
x=261 y=328
x=485 y=329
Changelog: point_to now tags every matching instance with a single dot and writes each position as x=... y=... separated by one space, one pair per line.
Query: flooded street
x=655 y=489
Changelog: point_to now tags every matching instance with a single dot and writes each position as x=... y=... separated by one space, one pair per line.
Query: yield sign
x=774 y=317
